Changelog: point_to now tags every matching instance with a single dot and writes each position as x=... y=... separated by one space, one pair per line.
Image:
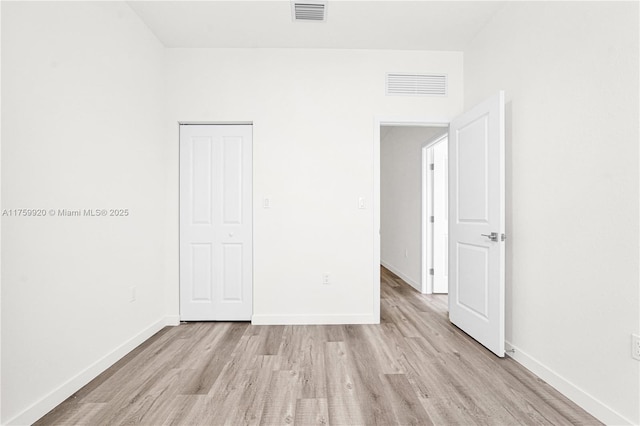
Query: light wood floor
x=415 y=368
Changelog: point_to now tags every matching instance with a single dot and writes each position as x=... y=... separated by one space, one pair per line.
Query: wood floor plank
x=193 y=350
x=413 y=368
x=281 y=398
x=195 y=410
x=366 y=368
x=170 y=404
x=444 y=398
x=235 y=378
x=213 y=359
x=406 y=405
x=312 y=411
x=392 y=310
x=177 y=410
x=311 y=363
x=302 y=351
x=272 y=338
x=342 y=399
x=382 y=351
x=334 y=333
x=147 y=404
x=76 y=414
x=249 y=410
x=161 y=338
x=118 y=386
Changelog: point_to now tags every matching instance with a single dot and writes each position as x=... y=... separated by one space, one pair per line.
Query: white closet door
x=216 y=254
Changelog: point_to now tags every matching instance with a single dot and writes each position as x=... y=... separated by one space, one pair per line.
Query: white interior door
x=477 y=223
x=216 y=271
x=440 y=218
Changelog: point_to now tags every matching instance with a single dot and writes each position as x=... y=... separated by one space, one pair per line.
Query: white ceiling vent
x=416 y=84
x=309 y=10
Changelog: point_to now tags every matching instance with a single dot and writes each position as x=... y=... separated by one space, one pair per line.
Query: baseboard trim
x=586 y=401
x=172 y=320
x=68 y=388
x=405 y=278
x=312 y=319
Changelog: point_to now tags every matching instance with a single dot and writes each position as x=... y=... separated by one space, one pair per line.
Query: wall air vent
x=309 y=10
x=416 y=84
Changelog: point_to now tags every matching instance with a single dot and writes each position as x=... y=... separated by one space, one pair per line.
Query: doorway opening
x=398 y=196
x=477 y=229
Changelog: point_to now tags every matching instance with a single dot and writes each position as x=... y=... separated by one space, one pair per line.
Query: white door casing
x=426 y=261
x=440 y=218
x=476 y=210
x=435 y=199
x=216 y=254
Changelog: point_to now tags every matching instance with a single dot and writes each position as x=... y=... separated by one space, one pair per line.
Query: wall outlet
x=635 y=346
x=133 y=294
x=325 y=278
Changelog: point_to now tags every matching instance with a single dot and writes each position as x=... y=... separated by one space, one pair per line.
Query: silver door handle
x=492 y=236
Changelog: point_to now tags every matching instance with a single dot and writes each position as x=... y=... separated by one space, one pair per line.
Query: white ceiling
x=362 y=24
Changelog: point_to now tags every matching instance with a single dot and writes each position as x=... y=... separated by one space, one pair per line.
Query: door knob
x=492 y=236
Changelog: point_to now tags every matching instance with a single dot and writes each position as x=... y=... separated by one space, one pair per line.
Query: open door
x=477 y=223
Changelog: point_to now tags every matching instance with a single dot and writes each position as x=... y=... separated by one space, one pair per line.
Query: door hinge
x=432 y=219
x=431 y=271
x=432 y=166
x=503 y=237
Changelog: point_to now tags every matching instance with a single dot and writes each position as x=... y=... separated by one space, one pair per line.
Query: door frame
x=426 y=239
x=397 y=121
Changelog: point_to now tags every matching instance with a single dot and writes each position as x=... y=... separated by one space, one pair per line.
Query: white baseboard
x=68 y=388
x=312 y=319
x=399 y=273
x=590 y=404
x=172 y=320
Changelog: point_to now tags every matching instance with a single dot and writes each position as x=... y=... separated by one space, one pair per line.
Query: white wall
x=570 y=71
x=0 y=225
x=82 y=97
x=313 y=113
x=401 y=199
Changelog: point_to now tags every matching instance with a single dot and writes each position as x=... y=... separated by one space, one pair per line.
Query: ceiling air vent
x=310 y=11
x=416 y=84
